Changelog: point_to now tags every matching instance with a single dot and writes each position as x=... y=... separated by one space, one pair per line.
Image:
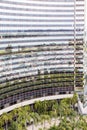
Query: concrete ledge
x=32 y=101
x=81 y=108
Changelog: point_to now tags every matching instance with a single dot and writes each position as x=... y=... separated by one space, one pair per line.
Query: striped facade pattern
x=41 y=48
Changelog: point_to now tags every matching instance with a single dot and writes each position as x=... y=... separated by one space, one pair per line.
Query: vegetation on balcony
x=37 y=82
x=61 y=79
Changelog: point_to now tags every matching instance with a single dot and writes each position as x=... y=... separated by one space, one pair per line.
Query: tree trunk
x=33 y=126
x=6 y=126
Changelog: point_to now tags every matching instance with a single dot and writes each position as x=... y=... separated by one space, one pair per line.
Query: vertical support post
x=74 y=44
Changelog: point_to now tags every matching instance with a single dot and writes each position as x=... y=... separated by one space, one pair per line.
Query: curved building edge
x=32 y=101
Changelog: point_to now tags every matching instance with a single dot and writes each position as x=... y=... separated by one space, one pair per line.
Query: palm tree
x=53 y=128
x=13 y=126
x=41 y=107
x=10 y=117
x=26 y=112
x=45 y=106
x=1 y=124
x=74 y=100
x=22 y=117
x=1 y=128
x=65 y=124
x=64 y=108
x=5 y=119
x=55 y=111
x=44 y=118
x=35 y=118
x=20 y=127
x=14 y=113
x=81 y=123
x=61 y=110
x=38 y=107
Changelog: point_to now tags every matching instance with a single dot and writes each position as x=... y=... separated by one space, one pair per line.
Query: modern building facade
x=41 y=48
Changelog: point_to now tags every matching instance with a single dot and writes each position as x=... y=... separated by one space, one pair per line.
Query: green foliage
x=8 y=49
x=58 y=79
x=74 y=99
x=13 y=126
x=40 y=129
x=53 y=128
x=44 y=111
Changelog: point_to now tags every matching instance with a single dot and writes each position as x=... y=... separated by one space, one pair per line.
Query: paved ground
x=46 y=124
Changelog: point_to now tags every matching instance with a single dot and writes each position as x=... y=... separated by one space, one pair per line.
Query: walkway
x=47 y=125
